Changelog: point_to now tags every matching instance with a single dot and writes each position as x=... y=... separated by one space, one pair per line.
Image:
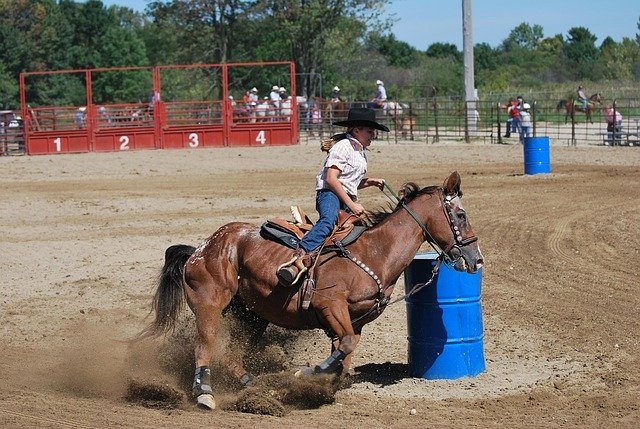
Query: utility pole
x=469 y=84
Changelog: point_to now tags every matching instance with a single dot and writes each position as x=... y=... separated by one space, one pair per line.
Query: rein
x=382 y=301
x=393 y=195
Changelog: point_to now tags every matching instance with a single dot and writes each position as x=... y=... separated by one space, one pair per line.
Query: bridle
x=382 y=301
x=453 y=248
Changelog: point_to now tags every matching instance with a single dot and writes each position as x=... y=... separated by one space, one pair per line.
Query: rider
x=582 y=97
x=381 y=96
x=335 y=95
x=337 y=183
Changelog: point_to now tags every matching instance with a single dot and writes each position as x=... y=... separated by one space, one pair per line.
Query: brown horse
x=332 y=111
x=572 y=106
x=235 y=269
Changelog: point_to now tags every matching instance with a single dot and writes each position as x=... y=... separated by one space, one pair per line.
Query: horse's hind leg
x=245 y=335
x=206 y=300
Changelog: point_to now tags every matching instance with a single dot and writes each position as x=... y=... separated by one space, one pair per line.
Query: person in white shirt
x=337 y=183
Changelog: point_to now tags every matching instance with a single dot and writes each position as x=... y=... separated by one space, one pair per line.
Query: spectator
x=513 y=120
x=274 y=98
x=104 y=115
x=525 y=122
x=380 y=98
x=337 y=183
x=582 y=97
x=613 y=118
x=253 y=95
x=80 y=117
x=283 y=93
x=153 y=99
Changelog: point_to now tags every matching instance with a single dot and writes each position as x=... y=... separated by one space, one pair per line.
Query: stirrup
x=287 y=267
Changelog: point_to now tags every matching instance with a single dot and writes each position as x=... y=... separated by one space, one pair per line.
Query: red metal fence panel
x=132 y=108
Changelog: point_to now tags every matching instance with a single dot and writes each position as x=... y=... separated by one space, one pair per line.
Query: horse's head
x=595 y=98
x=462 y=244
x=447 y=226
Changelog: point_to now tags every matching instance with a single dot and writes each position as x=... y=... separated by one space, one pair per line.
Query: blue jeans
x=327 y=205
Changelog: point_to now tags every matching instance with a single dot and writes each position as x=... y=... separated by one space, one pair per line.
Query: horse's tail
x=169 y=297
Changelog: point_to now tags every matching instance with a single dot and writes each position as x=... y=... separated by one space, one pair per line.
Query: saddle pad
x=274 y=232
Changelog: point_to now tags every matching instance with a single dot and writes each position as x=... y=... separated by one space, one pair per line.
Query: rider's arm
x=334 y=184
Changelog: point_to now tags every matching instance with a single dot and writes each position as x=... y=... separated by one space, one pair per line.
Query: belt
x=353 y=197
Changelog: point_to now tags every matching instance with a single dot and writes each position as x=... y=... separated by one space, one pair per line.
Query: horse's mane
x=407 y=193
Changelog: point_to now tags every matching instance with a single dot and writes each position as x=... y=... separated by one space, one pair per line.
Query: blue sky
x=424 y=22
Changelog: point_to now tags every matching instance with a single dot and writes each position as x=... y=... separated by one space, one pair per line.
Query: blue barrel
x=444 y=321
x=536 y=155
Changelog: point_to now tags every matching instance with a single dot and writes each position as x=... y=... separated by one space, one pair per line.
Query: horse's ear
x=452 y=184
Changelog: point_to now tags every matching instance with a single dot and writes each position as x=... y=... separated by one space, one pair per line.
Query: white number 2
x=124 y=142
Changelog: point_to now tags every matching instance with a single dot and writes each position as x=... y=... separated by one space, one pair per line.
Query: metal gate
x=161 y=107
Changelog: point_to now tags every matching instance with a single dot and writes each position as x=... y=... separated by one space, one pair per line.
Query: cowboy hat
x=379 y=82
x=362 y=116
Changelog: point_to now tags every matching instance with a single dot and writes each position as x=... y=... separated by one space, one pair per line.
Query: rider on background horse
x=335 y=95
x=381 y=96
x=337 y=184
x=582 y=97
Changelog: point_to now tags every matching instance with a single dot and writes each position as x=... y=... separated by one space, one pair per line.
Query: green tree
x=524 y=36
x=302 y=30
x=397 y=53
x=444 y=50
x=198 y=30
x=582 y=54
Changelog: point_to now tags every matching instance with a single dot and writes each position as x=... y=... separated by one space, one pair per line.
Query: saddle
x=289 y=233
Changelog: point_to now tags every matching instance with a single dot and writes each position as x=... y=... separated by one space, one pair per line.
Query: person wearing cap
x=335 y=95
x=80 y=117
x=381 y=96
x=274 y=97
x=253 y=95
x=337 y=183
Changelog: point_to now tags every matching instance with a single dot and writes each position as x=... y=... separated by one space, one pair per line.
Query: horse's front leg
x=336 y=315
x=347 y=363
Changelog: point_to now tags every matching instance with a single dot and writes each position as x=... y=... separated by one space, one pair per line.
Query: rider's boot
x=291 y=271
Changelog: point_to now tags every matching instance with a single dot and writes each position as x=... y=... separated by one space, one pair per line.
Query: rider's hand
x=356 y=208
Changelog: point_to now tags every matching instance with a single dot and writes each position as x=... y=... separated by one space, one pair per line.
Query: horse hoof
x=206 y=402
x=305 y=372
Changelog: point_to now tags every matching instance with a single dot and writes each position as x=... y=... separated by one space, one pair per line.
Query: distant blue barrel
x=536 y=155
x=444 y=321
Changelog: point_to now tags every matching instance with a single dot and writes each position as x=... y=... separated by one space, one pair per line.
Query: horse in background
x=572 y=106
x=395 y=110
x=332 y=111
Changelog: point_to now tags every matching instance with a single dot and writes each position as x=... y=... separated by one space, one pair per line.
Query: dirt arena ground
x=83 y=238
